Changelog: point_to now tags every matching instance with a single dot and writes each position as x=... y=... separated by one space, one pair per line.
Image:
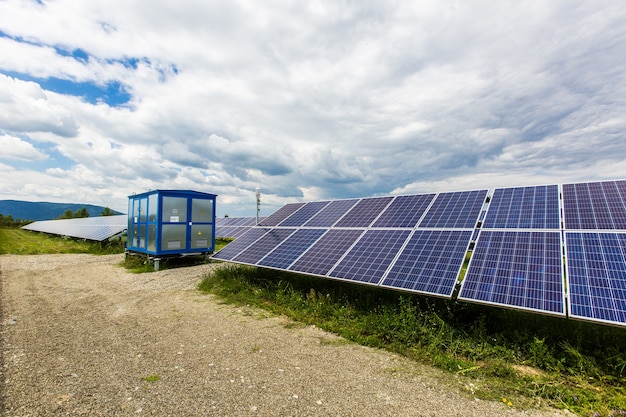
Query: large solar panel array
x=377 y=241
x=417 y=243
x=594 y=217
x=91 y=228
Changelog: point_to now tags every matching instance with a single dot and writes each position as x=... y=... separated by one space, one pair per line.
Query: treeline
x=9 y=221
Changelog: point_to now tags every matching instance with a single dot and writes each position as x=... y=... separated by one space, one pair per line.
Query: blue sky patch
x=112 y=93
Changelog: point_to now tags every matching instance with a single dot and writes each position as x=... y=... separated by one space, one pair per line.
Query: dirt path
x=80 y=336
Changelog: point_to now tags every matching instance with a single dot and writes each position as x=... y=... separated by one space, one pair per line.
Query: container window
x=174 y=210
x=201 y=210
x=174 y=237
x=152 y=208
x=152 y=235
x=202 y=236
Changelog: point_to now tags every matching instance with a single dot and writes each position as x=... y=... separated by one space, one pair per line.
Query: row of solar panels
x=91 y=228
x=233 y=227
x=418 y=243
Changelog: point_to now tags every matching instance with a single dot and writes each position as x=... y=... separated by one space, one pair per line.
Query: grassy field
x=24 y=242
x=523 y=359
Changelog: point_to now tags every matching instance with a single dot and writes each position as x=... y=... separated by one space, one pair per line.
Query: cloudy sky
x=310 y=100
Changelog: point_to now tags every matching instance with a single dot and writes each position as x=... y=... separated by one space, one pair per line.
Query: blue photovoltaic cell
x=255 y=252
x=304 y=214
x=458 y=210
x=290 y=249
x=430 y=262
x=524 y=208
x=404 y=211
x=368 y=260
x=228 y=252
x=595 y=205
x=325 y=253
x=517 y=269
x=225 y=231
x=364 y=212
x=233 y=227
x=596 y=272
x=281 y=214
x=331 y=213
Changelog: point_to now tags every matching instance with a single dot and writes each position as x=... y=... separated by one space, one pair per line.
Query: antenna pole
x=258 y=204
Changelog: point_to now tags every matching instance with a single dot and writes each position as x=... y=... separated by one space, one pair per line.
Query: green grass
x=139 y=263
x=24 y=242
x=528 y=359
x=152 y=378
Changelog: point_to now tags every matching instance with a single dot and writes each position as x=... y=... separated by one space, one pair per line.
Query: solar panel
x=516 y=269
x=292 y=248
x=368 y=260
x=458 y=210
x=304 y=214
x=595 y=205
x=96 y=228
x=228 y=252
x=430 y=262
x=331 y=213
x=596 y=276
x=364 y=212
x=524 y=208
x=255 y=252
x=281 y=214
x=325 y=253
x=404 y=211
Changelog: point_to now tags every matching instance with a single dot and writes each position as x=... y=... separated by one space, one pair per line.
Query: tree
x=107 y=212
x=67 y=214
x=81 y=213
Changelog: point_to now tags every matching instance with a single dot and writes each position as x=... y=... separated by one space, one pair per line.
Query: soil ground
x=82 y=336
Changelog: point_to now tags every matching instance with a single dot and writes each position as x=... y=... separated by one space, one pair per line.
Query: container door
x=174 y=235
x=201 y=225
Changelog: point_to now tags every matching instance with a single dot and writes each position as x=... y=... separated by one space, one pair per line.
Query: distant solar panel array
x=521 y=237
x=91 y=228
x=233 y=227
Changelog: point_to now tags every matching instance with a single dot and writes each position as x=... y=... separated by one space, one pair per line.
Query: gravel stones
x=81 y=336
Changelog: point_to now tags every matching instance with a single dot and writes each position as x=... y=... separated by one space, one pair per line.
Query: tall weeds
x=578 y=365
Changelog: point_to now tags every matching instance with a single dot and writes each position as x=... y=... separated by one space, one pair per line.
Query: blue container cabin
x=171 y=222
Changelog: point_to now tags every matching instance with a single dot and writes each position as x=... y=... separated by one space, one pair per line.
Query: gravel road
x=81 y=336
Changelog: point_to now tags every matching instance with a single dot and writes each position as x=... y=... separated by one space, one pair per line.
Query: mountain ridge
x=29 y=210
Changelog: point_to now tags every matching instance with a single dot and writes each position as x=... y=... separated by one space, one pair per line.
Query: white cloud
x=316 y=100
x=18 y=149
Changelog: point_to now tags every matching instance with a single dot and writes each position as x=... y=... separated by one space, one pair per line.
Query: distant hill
x=27 y=210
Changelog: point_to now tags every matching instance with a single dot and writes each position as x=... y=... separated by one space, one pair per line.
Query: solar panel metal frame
x=348 y=262
x=495 y=219
x=433 y=217
x=281 y=214
x=607 y=276
x=610 y=208
x=476 y=258
x=240 y=244
x=456 y=263
x=312 y=262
